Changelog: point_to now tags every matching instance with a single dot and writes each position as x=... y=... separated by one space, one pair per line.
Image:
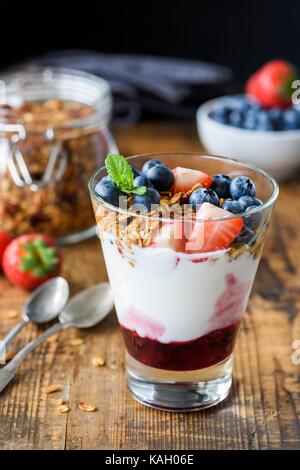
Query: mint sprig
x=122 y=175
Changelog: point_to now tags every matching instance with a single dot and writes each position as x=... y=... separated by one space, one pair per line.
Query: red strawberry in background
x=30 y=260
x=186 y=178
x=271 y=85
x=5 y=240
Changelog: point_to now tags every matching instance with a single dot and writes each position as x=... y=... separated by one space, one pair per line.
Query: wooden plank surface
x=263 y=410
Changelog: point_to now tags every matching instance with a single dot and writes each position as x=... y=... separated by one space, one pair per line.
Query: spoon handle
x=7 y=372
x=5 y=342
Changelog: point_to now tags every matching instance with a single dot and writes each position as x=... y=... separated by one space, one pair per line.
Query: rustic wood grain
x=263 y=410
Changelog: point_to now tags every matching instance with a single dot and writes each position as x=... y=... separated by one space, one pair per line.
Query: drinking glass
x=180 y=306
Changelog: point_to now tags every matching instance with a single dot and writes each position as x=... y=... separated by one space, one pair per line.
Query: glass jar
x=53 y=135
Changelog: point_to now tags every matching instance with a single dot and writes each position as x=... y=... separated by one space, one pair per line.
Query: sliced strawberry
x=172 y=236
x=186 y=178
x=210 y=235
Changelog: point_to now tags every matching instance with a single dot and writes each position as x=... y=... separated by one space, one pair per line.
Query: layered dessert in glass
x=181 y=242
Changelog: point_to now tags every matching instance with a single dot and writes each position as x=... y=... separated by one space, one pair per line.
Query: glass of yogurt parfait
x=182 y=235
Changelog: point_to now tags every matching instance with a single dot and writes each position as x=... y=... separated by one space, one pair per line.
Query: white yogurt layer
x=166 y=296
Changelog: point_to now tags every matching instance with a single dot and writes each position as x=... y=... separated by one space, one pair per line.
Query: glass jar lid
x=37 y=85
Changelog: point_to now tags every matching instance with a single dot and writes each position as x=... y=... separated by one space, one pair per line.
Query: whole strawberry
x=5 y=240
x=29 y=260
x=271 y=85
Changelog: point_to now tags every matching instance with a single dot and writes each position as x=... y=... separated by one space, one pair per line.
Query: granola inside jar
x=53 y=135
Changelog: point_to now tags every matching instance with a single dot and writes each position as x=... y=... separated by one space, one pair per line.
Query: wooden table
x=263 y=410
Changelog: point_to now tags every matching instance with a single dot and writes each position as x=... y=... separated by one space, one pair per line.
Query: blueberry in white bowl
x=261 y=127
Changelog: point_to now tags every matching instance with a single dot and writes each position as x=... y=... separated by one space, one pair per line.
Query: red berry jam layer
x=199 y=353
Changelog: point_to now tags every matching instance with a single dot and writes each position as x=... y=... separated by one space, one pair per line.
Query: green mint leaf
x=140 y=190
x=119 y=171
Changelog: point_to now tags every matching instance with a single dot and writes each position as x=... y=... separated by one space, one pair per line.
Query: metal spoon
x=44 y=304
x=84 y=310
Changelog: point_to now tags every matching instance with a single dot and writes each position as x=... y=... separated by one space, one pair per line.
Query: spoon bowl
x=44 y=304
x=47 y=301
x=85 y=309
x=88 y=307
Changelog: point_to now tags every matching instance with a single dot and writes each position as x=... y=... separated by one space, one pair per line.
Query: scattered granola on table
x=87 y=407
x=51 y=389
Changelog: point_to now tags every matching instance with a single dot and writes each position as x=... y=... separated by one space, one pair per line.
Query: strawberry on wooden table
x=30 y=260
x=186 y=179
x=5 y=239
x=271 y=85
x=213 y=235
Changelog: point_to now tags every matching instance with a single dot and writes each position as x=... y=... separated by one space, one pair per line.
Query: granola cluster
x=63 y=205
x=127 y=230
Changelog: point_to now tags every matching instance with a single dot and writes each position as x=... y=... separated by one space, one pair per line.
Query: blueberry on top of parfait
x=108 y=191
x=145 y=202
x=142 y=181
x=136 y=171
x=160 y=176
x=242 y=186
x=203 y=195
x=221 y=185
x=247 y=201
x=233 y=206
x=149 y=164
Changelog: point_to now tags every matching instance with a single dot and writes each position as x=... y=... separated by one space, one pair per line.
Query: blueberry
x=247 y=201
x=276 y=116
x=253 y=221
x=242 y=186
x=160 y=176
x=136 y=171
x=236 y=118
x=245 y=237
x=239 y=103
x=254 y=105
x=221 y=184
x=220 y=114
x=233 y=206
x=203 y=195
x=250 y=122
x=108 y=191
x=291 y=119
x=142 y=181
x=264 y=121
x=149 y=164
x=145 y=201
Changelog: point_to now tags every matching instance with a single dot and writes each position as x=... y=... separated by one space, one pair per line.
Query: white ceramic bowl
x=277 y=152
